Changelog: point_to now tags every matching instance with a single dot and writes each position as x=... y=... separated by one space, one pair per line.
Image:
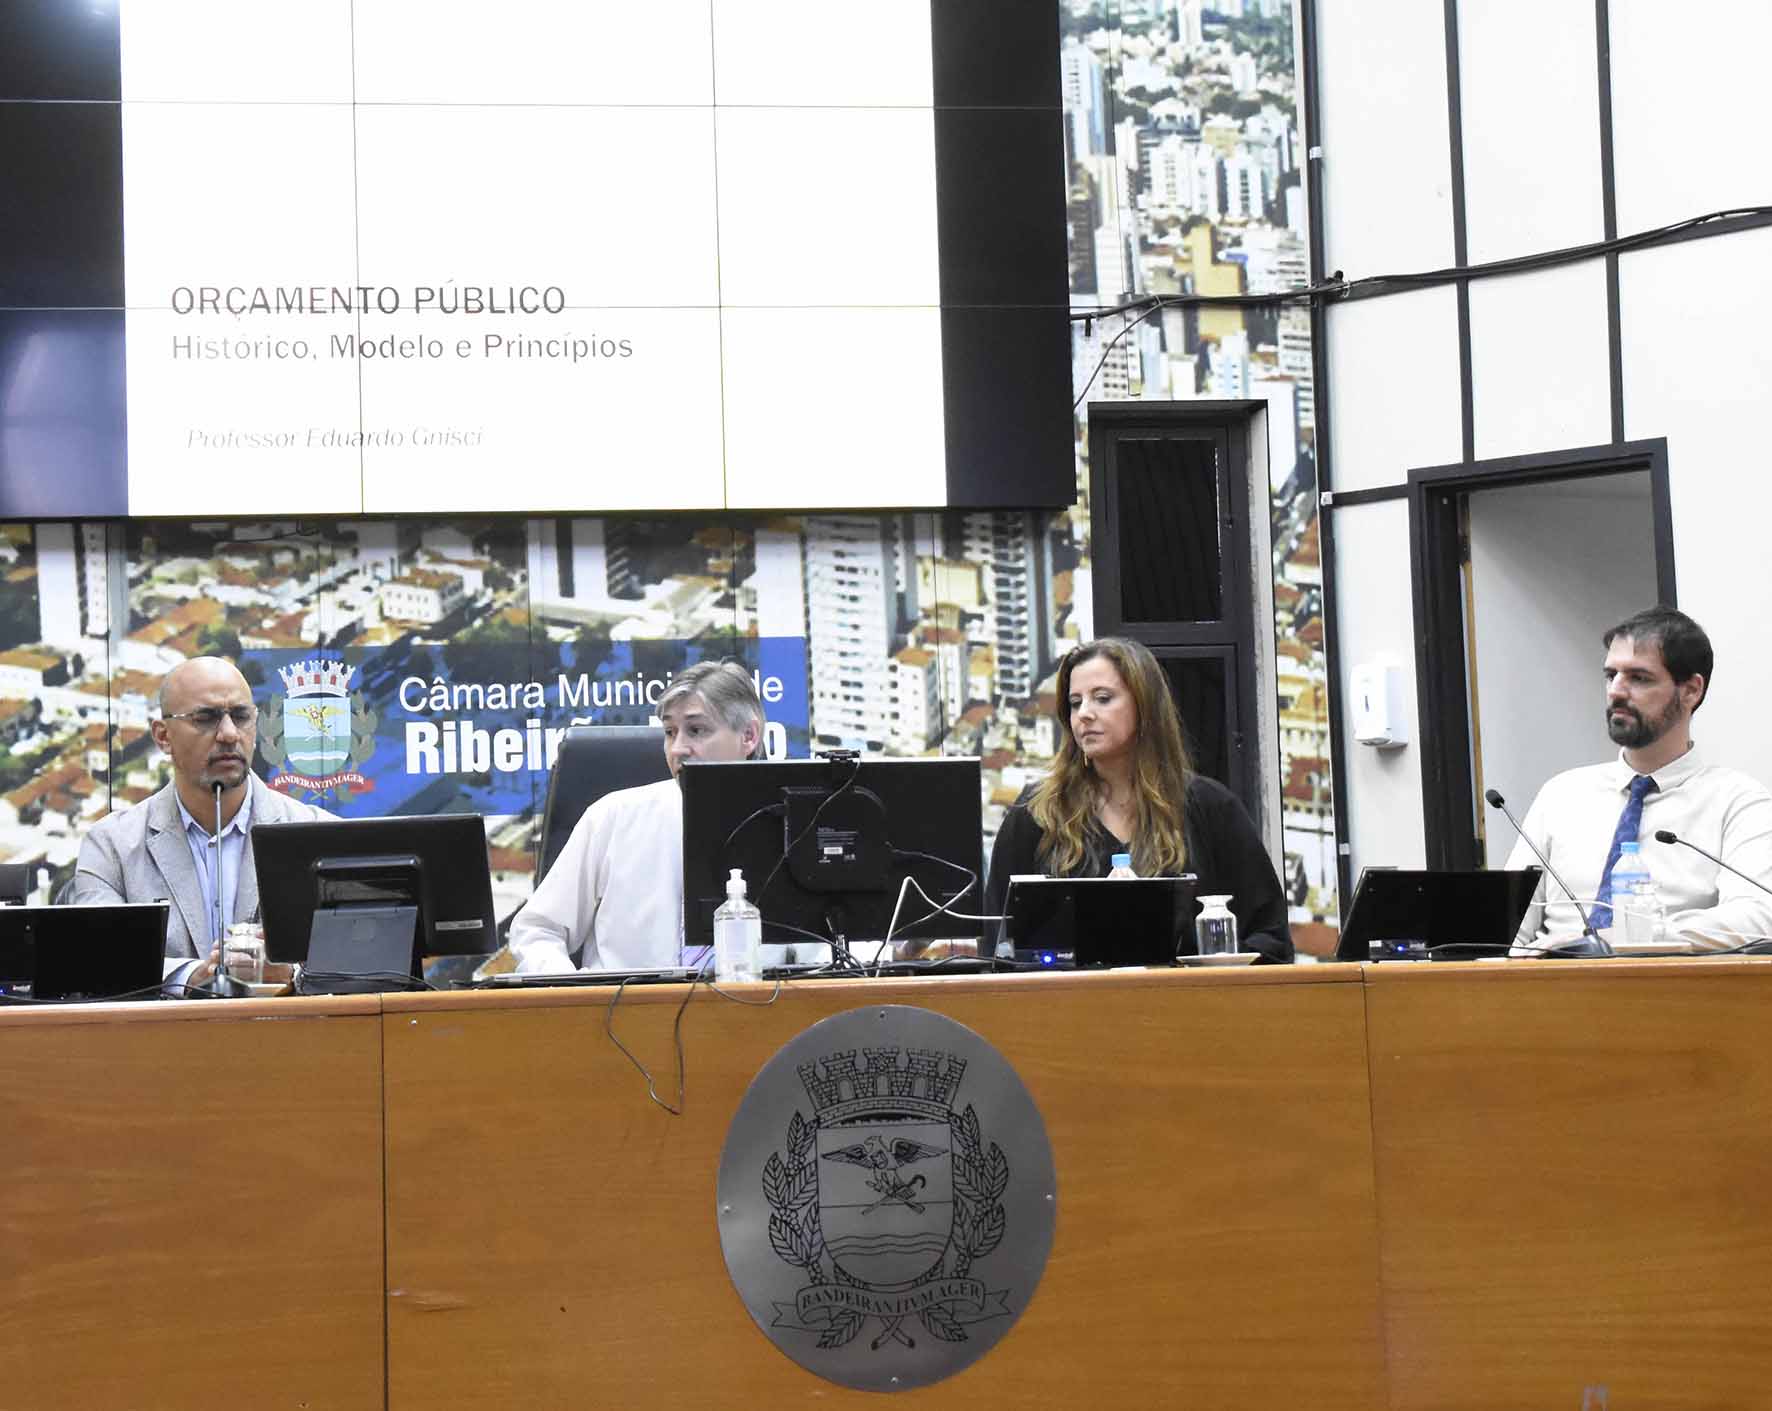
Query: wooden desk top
x=901 y=989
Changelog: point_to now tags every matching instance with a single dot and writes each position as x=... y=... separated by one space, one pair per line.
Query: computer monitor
x=373 y=895
x=825 y=846
x=84 y=951
x=594 y=760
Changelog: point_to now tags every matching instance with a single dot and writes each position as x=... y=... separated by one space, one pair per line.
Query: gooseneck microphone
x=215 y=864
x=1592 y=943
x=224 y=984
x=1667 y=835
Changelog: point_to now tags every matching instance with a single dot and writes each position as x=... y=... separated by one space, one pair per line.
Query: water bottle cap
x=735 y=883
x=1631 y=847
x=1120 y=859
x=1215 y=903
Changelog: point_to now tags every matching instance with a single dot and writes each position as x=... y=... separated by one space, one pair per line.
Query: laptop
x=97 y=951
x=1090 y=922
x=1431 y=915
x=664 y=975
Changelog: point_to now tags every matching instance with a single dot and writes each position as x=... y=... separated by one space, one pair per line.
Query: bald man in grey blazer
x=208 y=727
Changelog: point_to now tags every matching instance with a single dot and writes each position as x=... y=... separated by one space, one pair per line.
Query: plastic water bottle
x=1215 y=929
x=738 y=935
x=1636 y=904
x=1122 y=866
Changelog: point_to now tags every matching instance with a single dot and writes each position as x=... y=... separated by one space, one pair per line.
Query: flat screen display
x=826 y=847
x=379 y=256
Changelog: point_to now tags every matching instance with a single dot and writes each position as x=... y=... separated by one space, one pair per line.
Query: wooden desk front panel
x=1573 y=1165
x=552 y=1237
x=192 y=1206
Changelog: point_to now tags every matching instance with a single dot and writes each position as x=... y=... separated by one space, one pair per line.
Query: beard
x=1631 y=728
x=229 y=771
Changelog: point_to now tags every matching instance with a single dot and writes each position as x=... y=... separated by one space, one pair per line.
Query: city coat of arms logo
x=894 y=1253
x=318 y=732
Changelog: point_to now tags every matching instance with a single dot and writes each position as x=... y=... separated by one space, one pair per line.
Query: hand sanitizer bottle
x=738 y=935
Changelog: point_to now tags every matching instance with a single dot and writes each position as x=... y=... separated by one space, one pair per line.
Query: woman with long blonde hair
x=1122 y=782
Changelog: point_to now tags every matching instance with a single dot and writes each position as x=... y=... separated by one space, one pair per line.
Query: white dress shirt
x=220 y=855
x=616 y=889
x=217 y=861
x=1722 y=810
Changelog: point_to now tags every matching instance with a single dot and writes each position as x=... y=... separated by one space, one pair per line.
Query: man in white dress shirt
x=1658 y=669
x=614 y=896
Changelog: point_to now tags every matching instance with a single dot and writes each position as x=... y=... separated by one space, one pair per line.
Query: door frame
x=1436 y=553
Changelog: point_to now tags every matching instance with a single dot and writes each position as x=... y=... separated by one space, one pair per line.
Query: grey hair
x=727 y=688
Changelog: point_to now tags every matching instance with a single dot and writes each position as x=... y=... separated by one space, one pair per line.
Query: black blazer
x=1223 y=850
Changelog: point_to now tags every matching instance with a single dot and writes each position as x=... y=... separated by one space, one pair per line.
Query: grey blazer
x=141 y=855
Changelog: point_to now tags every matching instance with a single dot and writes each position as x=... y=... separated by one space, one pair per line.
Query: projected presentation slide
x=395 y=256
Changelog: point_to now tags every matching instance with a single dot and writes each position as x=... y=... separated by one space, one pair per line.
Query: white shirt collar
x=1669 y=776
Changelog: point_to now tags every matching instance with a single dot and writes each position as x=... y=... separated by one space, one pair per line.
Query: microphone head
x=1665 y=835
x=1494 y=798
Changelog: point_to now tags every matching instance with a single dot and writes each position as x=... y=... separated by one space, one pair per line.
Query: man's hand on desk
x=270 y=973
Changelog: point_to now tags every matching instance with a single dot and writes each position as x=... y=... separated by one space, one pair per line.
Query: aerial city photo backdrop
x=420 y=664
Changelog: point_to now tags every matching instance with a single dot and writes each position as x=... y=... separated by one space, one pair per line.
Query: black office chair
x=15 y=882
x=595 y=760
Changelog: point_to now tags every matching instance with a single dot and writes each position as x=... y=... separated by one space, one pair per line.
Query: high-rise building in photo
x=1016 y=556
x=582 y=560
x=74 y=586
x=859 y=588
x=1084 y=104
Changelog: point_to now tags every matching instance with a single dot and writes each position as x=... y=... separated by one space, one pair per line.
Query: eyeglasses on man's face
x=208 y=719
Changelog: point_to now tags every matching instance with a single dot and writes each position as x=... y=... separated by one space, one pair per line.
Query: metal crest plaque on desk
x=887 y=1198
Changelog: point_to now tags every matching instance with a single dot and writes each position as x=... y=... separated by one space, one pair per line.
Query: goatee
x=1628 y=727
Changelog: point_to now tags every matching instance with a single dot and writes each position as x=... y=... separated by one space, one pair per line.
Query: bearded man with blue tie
x=1658 y=668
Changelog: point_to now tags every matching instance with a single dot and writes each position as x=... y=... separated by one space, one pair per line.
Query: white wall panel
x=1393 y=372
x=1387 y=157
x=1688 y=109
x=1539 y=379
x=1696 y=370
x=1530 y=103
x=1381 y=802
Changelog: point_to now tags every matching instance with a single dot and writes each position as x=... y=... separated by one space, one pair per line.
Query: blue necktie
x=1630 y=823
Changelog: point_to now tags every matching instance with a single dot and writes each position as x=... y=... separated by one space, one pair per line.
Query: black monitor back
x=455 y=888
x=84 y=950
x=1404 y=914
x=595 y=760
x=854 y=819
